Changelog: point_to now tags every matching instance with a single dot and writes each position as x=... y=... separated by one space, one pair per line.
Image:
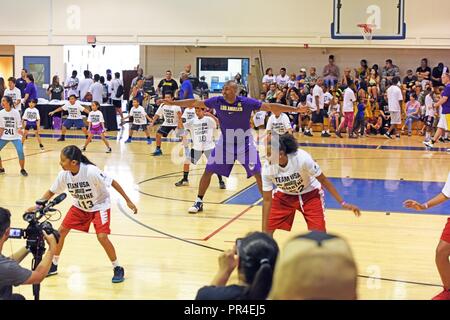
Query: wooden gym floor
x=169 y=254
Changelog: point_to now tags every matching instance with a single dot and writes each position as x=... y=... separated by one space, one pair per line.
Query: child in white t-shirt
x=96 y=126
x=31 y=120
x=140 y=118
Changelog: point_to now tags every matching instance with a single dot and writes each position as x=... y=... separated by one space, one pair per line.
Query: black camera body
x=34 y=232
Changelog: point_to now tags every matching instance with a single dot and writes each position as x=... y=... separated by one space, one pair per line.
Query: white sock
x=446 y=135
x=55 y=260
x=115 y=263
x=427 y=135
x=199 y=200
x=323 y=131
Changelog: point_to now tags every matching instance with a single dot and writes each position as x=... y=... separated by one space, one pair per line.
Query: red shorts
x=284 y=206
x=81 y=220
x=446 y=233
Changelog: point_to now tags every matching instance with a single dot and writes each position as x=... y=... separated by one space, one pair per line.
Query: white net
x=366 y=31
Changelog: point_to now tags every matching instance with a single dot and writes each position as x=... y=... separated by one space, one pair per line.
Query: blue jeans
x=409 y=121
x=17 y=144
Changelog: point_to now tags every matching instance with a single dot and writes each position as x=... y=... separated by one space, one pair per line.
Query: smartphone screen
x=15 y=233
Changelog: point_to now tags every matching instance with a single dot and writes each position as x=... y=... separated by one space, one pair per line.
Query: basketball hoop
x=366 y=30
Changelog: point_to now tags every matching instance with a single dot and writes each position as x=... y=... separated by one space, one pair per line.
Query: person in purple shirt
x=186 y=90
x=30 y=90
x=444 y=120
x=236 y=141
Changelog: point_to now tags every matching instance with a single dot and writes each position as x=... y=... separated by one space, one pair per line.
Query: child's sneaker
x=128 y=140
x=119 y=275
x=41 y=146
x=109 y=150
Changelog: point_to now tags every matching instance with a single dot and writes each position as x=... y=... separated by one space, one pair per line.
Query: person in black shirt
x=167 y=84
x=409 y=83
x=424 y=71
x=436 y=75
x=55 y=90
x=21 y=83
x=254 y=257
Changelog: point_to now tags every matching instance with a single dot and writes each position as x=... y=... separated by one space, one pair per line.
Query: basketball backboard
x=388 y=16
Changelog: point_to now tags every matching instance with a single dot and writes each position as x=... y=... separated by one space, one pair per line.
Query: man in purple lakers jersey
x=236 y=141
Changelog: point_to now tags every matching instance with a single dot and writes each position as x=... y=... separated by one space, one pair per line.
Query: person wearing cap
x=299 y=181
x=315 y=266
x=254 y=257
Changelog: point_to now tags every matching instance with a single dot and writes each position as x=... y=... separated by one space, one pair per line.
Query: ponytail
x=257 y=256
x=262 y=283
x=74 y=153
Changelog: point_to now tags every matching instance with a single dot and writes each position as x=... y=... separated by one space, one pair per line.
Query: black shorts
x=197 y=154
x=429 y=121
x=317 y=117
x=165 y=130
x=137 y=127
x=117 y=104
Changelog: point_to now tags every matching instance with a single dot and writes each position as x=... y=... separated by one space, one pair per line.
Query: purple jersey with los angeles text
x=234 y=116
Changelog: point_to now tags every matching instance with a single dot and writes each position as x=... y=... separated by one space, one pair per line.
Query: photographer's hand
x=51 y=241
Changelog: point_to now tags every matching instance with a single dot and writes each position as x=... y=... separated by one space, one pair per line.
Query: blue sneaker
x=157 y=152
x=53 y=270
x=149 y=141
x=119 y=275
x=128 y=140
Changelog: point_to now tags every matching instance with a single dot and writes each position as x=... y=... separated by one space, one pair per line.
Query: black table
x=108 y=110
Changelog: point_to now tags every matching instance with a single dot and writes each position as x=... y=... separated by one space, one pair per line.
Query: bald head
x=308 y=269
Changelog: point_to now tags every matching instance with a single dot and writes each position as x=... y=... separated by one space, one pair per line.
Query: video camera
x=34 y=231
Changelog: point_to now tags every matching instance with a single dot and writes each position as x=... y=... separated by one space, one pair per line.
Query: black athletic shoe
x=61 y=139
x=41 y=146
x=338 y=134
x=325 y=135
x=222 y=185
x=119 y=275
x=53 y=270
x=308 y=133
x=24 y=173
x=2 y=171
x=182 y=183
x=441 y=139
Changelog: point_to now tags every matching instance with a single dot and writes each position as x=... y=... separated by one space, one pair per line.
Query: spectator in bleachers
x=436 y=75
x=254 y=258
x=292 y=83
x=310 y=80
x=409 y=83
x=269 y=77
x=282 y=79
x=412 y=113
x=424 y=71
x=373 y=85
x=315 y=266
x=167 y=85
x=389 y=72
x=331 y=73
x=362 y=72
x=347 y=78
x=271 y=95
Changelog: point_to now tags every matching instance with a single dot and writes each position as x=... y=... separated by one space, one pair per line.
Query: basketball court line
x=301 y=144
x=28 y=155
x=221 y=250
